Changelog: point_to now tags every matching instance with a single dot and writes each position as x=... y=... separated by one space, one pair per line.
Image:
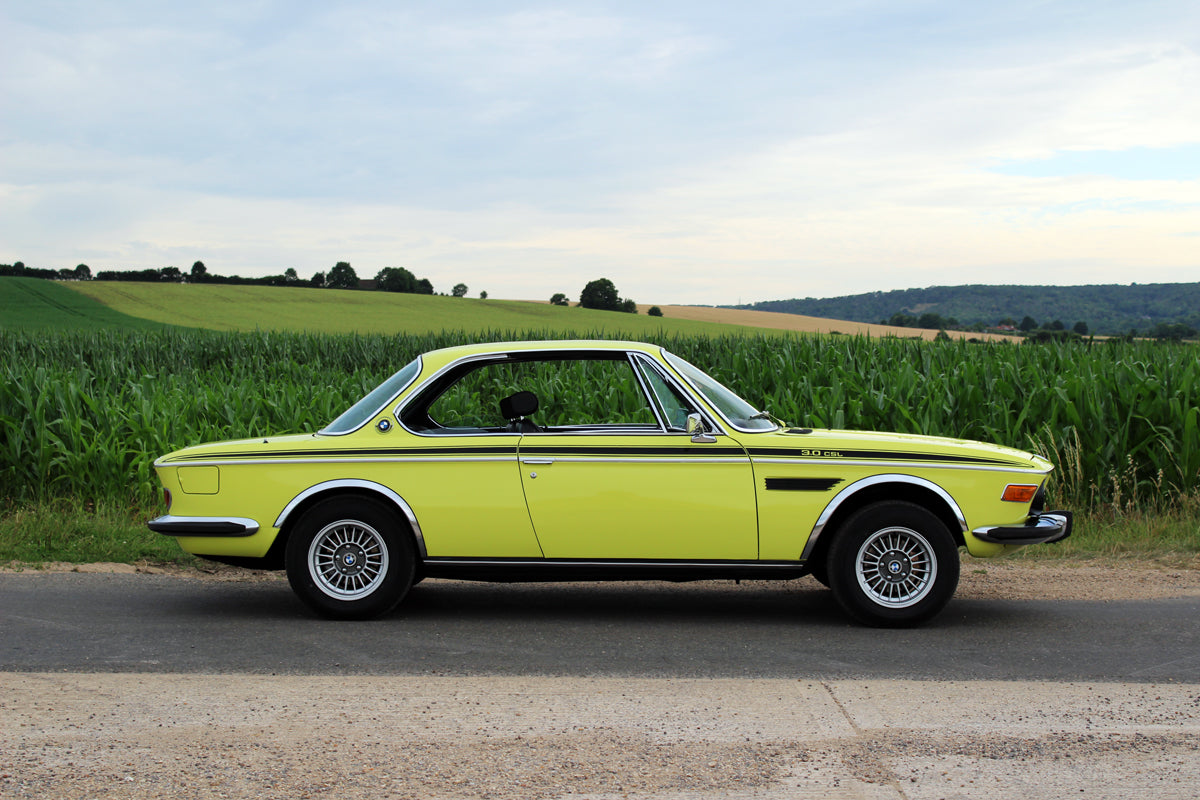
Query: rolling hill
x=1107 y=309
x=248 y=308
x=34 y=304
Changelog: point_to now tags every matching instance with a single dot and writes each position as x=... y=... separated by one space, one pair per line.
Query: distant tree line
x=340 y=276
x=1109 y=310
x=1029 y=328
x=18 y=269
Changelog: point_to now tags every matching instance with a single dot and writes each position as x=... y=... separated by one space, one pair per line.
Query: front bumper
x=203 y=526
x=1043 y=528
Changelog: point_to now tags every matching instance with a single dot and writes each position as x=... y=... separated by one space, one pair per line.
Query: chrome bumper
x=1043 y=528
x=203 y=526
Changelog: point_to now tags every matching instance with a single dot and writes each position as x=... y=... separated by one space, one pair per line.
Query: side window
x=590 y=392
x=675 y=407
x=473 y=401
x=572 y=393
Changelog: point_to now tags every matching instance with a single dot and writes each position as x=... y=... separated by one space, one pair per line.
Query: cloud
x=690 y=152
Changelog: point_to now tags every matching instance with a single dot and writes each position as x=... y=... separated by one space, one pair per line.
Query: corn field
x=83 y=415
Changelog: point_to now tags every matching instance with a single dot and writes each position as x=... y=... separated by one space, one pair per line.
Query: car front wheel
x=893 y=564
x=350 y=558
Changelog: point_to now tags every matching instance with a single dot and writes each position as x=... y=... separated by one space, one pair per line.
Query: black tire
x=892 y=565
x=350 y=558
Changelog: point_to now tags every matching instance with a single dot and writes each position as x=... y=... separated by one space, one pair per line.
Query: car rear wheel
x=893 y=564
x=350 y=558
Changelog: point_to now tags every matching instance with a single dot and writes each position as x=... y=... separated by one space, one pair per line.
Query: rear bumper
x=1043 y=528
x=203 y=526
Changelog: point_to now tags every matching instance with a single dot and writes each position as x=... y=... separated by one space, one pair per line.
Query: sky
x=691 y=152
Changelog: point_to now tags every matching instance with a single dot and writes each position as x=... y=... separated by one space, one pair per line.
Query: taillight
x=167 y=497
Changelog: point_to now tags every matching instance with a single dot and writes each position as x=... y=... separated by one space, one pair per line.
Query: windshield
x=734 y=409
x=358 y=414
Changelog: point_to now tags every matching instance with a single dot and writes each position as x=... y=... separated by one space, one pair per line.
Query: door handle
x=542 y=461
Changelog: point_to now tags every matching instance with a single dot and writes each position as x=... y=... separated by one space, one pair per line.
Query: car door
x=461 y=475
x=610 y=472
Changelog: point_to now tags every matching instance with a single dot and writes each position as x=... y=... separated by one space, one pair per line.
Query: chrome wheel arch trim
x=875 y=480
x=356 y=483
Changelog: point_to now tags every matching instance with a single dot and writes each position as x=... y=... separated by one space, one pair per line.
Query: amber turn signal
x=1019 y=493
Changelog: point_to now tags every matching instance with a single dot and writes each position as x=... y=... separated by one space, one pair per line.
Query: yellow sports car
x=592 y=460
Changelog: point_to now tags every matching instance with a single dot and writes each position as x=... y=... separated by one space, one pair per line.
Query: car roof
x=448 y=355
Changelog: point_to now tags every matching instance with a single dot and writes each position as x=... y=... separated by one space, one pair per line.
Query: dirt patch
x=1075 y=580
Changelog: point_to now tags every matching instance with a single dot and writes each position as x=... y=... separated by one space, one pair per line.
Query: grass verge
x=1170 y=536
x=62 y=530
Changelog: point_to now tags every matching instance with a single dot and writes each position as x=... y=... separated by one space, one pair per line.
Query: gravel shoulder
x=162 y=736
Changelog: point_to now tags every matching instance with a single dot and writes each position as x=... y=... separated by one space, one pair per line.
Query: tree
x=1081 y=328
x=931 y=320
x=483 y=295
x=423 y=286
x=199 y=272
x=654 y=311
x=459 y=290
x=1057 y=325
x=171 y=274
x=290 y=277
x=629 y=306
x=395 y=279
x=600 y=294
x=342 y=276
x=1028 y=324
x=83 y=273
x=318 y=280
x=559 y=299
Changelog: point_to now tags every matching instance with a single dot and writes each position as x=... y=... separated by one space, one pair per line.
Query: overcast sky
x=692 y=152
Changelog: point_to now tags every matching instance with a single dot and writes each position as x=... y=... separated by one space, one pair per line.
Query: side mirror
x=698 y=430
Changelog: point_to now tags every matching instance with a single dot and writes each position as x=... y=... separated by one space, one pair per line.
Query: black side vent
x=802 y=484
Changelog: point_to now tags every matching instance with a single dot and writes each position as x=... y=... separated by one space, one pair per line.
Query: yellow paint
x=593 y=495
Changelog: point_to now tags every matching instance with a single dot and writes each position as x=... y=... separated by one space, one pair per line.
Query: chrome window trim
x=647 y=393
x=639 y=356
x=875 y=480
x=355 y=483
x=508 y=355
x=420 y=367
x=398 y=411
x=668 y=356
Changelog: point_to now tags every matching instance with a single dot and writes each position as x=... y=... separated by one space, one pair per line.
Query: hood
x=868 y=444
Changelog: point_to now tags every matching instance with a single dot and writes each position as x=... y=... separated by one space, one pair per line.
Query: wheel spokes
x=896 y=567
x=348 y=559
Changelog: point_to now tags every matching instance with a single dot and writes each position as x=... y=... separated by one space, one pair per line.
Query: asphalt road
x=164 y=624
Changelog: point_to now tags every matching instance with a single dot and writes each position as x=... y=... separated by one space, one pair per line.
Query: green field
x=89 y=397
x=300 y=309
x=36 y=304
